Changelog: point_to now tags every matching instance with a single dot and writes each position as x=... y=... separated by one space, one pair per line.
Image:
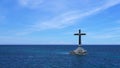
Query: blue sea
x=57 y=56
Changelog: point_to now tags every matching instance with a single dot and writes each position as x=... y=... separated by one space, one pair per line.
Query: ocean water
x=57 y=56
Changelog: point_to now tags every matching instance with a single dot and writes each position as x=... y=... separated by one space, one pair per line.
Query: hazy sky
x=55 y=21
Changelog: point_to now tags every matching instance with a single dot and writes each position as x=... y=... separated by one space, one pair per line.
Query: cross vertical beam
x=79 y=38
x=79 y=34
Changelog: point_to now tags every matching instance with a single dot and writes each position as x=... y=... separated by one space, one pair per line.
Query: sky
x=56 y=21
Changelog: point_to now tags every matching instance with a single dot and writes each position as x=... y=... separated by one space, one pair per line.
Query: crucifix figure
x=79 y=34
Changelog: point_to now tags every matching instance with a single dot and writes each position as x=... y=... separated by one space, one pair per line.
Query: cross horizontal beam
x=80 y=34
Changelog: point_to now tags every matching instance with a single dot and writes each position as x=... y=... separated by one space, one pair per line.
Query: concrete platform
x=79 y=51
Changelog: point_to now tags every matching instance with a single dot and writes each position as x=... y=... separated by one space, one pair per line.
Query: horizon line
x=59 y=44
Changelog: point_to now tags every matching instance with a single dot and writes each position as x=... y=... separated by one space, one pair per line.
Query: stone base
x=79 y=51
